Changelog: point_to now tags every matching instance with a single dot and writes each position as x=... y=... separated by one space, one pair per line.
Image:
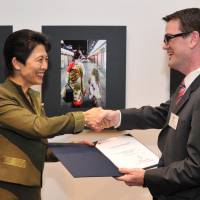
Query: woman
x=23 y=124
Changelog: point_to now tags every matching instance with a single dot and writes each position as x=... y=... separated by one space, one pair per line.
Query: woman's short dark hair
x=20 y=44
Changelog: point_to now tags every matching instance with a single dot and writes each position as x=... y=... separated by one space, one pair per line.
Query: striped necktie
x=181 y=91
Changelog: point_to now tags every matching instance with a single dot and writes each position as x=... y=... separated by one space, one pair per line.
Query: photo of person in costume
x=94 y=92
x=83 y=73
x=74 y=78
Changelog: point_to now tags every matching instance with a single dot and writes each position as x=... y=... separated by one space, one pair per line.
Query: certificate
x=127 y=152
x=105 y=158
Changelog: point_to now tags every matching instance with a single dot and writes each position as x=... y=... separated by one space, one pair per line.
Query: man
x=24 y=126
x=178 y=174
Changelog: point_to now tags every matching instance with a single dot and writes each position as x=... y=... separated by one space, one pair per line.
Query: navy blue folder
x=84 y=161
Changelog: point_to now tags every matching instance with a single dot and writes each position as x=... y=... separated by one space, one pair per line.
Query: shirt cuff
x=79 y=121
x=119 y=122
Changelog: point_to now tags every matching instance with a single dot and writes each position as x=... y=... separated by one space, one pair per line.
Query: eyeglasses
x=168 y=37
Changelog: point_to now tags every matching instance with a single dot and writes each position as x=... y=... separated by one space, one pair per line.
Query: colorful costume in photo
x=74 y=77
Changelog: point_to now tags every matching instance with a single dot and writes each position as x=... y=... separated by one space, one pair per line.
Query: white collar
x=191 y=77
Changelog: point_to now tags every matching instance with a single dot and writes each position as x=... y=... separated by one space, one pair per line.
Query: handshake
x=99 y=119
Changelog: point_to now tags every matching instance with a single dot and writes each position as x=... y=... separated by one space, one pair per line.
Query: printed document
x=127 y=152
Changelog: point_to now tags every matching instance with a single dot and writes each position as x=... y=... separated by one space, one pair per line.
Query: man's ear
x=16 y=64
x=194 y=39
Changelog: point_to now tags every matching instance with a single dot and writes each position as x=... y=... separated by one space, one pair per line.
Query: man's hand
x=98 y=119
x=111 y=118
x=132 y=177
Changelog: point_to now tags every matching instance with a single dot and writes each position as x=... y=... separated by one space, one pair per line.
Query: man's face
x=177 y=48
x=32 y=72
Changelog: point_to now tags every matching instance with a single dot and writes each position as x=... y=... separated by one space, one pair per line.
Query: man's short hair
x=189 y=19
x=20 y=44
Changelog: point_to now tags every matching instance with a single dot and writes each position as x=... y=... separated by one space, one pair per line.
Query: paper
x=127 y=152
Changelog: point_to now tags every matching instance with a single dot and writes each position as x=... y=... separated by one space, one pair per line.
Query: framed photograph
x=4 y=32
x=87 y=68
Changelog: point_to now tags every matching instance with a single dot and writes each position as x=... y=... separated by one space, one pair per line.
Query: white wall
x=147 y=75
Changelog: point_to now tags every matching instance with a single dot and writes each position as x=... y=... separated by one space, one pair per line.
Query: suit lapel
x=34 y=99
x=19 y=94
x=181 y=103
x=177 y=107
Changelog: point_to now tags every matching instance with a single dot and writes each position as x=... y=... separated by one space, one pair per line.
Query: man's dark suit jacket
x=178 y=174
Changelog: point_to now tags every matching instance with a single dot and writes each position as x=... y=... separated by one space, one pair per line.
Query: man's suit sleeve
x=145 y=117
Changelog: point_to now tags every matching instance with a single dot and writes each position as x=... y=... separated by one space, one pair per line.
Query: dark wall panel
x=4 y=32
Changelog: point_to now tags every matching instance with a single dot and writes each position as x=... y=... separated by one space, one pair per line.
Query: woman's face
x=32 y=72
